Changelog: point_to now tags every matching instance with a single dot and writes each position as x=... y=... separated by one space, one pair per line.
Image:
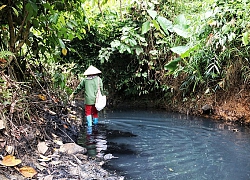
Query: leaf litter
x=35 y=124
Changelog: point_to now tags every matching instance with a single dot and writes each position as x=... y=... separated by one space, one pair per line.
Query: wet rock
x=207 y=109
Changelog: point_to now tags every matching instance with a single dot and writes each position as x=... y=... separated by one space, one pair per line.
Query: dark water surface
x=168 y=146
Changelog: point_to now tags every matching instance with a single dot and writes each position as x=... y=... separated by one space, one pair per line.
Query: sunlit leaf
x=165 y=24
x=42 y=97
x=156 y=25
x=64 y=51
x=180 y=31
x=54 y=18
x=15 y=11
x=70 y=25
x=245 y=38
x=3 y=6
x=115 y=43
x=182 y=21
x=27 y=171
x=145 y=27
x=10 y=160
x=138 y=51
x=152 y=13
x=62 y=45
x=180 y=49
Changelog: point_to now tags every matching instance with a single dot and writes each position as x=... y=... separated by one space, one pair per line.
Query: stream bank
x=232 y=106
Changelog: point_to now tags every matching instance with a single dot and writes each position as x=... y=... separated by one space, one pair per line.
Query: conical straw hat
x=91 y=70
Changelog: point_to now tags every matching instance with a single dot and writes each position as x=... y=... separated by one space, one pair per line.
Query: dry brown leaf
x=27 y=171
x=10 y=160
x=51 y=112
x=42 y=97
x=2 y=124
x=65 y=126
x=2 y=61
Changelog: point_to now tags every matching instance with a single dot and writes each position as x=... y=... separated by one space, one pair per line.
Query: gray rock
x=207 y=109
x=72 y=148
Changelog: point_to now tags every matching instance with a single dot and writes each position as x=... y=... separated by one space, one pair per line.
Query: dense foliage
x=153 y=47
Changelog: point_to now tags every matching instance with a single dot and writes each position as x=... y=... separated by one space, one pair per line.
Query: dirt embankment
x=231 y=106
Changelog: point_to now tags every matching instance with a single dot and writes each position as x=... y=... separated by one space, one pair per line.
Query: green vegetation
x=142 y=47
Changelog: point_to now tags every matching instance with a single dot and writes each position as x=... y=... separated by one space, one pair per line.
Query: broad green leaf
x=138 y=51
x=172 y=65
x=245 y=38
x=188 y=52
x=156 y=25
x=180 y=49
x=71 y=36
x=152 y=13
x=54 y=18
x=35 y=23
x=165 y=24
x=104 y=2
x=128 y=49
x=124 y=37
x=70 y=25
x=34 y=6
x=182 y=21
x=29 y=8
x=184 y=51
x=180 y=31
x=61 y=20
x=73 y=22
x=145 y=27
x=132 y=42
x=47 y=6
x=62 y=45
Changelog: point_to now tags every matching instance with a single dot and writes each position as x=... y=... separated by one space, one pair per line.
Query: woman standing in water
x=90 y=85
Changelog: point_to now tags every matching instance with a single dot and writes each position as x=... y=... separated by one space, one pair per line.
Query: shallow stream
x=157 y=145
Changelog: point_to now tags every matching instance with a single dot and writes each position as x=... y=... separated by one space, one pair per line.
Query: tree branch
x=22 y=26
x=11 y=29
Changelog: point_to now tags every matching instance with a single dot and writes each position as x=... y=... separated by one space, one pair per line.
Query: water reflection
x=94 y=141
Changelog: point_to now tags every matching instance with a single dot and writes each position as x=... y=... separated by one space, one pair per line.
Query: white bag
x=100 y=101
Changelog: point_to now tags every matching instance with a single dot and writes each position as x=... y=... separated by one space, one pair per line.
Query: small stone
x=72 y=148
x=207 y=109
x=42 y=147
